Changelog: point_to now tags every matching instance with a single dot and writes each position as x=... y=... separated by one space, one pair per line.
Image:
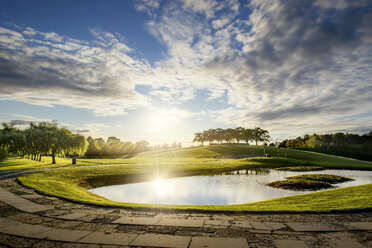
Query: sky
x=163 y=70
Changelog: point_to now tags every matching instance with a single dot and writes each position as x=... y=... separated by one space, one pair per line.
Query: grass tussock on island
x=309 y=182
x=300 y=168
x=73 y=183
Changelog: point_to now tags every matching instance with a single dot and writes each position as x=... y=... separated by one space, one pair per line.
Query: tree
x=174 y=145
x=93 y=149
x=260 y=135
x=140 y=146
x=199 y=137
x=247 y=135
x=238 y=134
x=77 y=146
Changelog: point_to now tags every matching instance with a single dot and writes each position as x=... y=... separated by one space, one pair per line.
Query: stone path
x=28 y=219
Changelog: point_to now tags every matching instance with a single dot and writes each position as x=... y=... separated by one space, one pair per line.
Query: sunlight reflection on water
x=236 y=187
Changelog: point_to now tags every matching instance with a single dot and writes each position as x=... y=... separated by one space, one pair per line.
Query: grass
x=309 y=182
x=73 y=183
x=300 y=184
x=349 y=153
x=207 y=155
x=322 y=178
x=300 y=168
x=18 y=163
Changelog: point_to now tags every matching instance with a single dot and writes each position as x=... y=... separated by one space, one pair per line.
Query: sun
x=158 y=122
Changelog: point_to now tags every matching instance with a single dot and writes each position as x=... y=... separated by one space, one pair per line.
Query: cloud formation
x=48 y=69
x=284 y=65
x=278 y=61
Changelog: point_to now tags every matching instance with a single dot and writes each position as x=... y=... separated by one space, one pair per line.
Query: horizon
x=163 y=70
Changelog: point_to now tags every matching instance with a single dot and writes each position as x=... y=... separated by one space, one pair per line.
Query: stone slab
x=62 y=235
x=25 y=230
x=72 y=216
x=109 y=239
x=212 y=242
x=216 y=224
x=161 y=240
x=180 y=222
x=5 y=223
x=21 y=203
x=290 y=243
x=270 y=226
x=136 y=220
x=242 y=224
x=313 y=227
x=346 y=244
x=367 y=226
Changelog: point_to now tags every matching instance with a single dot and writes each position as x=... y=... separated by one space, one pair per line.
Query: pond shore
x=53 y=222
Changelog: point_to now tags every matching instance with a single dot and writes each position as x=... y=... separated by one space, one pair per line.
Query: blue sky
x=163 y=70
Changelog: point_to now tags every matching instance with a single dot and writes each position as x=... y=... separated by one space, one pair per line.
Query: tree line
x=45 y=138
x=114 y=147
x=335 y=140
x=230 y=135
x=40 y=139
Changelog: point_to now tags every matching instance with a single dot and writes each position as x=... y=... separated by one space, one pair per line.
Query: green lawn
x=73 y=183
x=18 y=163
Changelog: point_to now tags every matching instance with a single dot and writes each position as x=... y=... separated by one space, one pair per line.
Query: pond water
x=235 y=187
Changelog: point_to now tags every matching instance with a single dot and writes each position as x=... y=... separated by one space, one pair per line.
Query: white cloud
x=65 y=71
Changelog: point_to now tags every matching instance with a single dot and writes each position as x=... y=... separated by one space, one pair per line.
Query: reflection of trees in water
x=254 y=171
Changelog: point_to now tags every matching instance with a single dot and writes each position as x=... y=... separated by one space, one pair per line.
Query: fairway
x=73 y=183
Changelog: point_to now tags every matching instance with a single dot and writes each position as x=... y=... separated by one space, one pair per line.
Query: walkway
x=32 y=220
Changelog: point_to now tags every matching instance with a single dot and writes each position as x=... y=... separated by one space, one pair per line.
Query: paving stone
x=218 y=242
x=62 y=235
x=72 y=216
x=222 y=217
x=21 y=203
x=5 y=223
x=180 y=222
x=25 y=230
x=313 y=227
x=271 y=226
x=216 y=224
x=367 y=226
x=110 y=239
x=346 y=244
x=241 y=224
x=161 y=240
x=136 y=220
x=291 y=243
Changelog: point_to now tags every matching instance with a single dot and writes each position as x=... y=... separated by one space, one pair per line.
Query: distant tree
x=238 y=134
x=179 y=145
x=140 y=146
x=247 y=135
x=174 y=145
x=93 y=149
x=165 y=146
x=260 y=135
x=199 y=137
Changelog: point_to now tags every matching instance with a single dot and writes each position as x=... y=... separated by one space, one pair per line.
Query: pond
x=242 y=186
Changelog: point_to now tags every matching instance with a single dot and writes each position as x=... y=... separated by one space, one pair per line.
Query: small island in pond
x=309 y=182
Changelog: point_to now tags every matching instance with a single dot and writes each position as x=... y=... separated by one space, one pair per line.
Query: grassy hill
x=73 y=183
x=237 y=154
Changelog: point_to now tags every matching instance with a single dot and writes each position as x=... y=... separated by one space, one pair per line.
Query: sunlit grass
x=73 y=184
x=18 y=163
